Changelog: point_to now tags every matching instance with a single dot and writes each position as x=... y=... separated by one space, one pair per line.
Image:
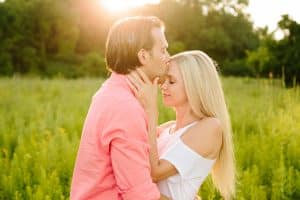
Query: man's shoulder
x=119 y=109
x=117 y=99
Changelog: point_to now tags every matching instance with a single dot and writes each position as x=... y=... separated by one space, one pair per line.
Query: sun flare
x=123 y=5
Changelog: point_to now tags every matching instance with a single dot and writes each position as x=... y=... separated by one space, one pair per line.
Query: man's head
x=137 y=42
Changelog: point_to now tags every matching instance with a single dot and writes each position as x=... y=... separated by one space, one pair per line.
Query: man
x=113 y=156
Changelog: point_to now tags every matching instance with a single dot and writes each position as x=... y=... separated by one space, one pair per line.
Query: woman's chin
x=166 y=103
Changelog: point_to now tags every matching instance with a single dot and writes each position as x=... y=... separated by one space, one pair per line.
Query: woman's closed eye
x=171 y=80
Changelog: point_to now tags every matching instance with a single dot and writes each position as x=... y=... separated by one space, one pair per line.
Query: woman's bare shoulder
x=205 y=137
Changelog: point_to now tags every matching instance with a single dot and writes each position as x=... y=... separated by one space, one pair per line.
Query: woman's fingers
x=155 y=82
x=137 y=78
x=134 y=80
x=132 y=85
x=143 y=75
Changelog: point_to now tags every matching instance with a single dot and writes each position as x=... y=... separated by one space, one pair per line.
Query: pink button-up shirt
x=113 y=157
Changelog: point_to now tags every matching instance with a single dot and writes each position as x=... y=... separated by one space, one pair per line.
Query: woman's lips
x=166 y=95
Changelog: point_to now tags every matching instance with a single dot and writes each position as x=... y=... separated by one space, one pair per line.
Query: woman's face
x=173 y=90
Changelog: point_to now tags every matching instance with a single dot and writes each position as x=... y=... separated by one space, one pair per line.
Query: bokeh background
x=52 y=62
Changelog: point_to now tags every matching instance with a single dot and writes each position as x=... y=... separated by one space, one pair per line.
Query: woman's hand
x=144 y=90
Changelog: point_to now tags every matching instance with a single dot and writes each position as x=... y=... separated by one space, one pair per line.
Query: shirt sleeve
x=188 y=163
x=129 y=154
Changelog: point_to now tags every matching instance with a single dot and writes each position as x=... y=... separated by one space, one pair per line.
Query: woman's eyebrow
x=169 y=76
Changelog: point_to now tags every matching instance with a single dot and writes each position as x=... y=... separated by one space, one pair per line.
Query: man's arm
x=129 y=153
x=131 y=169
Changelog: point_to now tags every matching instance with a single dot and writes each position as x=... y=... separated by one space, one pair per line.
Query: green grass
x=41 y=122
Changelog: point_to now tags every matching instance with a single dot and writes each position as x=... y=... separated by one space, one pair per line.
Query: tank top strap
x=184 y=129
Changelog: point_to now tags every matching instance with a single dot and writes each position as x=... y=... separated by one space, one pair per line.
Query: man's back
x=113 y=157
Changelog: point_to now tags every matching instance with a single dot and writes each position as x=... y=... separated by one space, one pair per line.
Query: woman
x=199 y=141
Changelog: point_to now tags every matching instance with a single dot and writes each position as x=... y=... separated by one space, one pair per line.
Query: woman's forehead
x=173 y=69
x=171 y=73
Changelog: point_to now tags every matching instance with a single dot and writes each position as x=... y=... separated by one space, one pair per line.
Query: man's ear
x=143 y=56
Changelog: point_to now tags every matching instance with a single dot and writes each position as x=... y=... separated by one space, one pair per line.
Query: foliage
x=237 y=68
x=33 y=33
x=41 y=37
x=289 y=59
x=281 y=58
x=41 y=122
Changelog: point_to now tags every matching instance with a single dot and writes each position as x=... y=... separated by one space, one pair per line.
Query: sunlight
x=279 y=34
x=123 y=5
x=261 y=17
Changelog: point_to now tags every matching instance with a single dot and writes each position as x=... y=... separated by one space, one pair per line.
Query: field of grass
x=41 y=122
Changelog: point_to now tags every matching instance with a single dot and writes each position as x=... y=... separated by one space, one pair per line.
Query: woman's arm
x=146 y=93
x=160 y=169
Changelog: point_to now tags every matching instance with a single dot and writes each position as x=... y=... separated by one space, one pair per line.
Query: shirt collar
x=120 y=79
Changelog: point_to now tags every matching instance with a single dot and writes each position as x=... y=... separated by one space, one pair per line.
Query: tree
x=286 y=52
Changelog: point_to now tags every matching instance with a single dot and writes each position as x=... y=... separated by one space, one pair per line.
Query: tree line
x=67 y=37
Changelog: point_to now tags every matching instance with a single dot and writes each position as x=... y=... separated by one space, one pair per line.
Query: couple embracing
x=123 y=152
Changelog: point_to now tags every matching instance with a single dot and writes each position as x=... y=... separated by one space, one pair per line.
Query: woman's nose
x=164 y=85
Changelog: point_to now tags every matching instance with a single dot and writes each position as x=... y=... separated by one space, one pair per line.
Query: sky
x=268 y=12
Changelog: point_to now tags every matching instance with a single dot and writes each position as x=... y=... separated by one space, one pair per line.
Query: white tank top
x=192 y=167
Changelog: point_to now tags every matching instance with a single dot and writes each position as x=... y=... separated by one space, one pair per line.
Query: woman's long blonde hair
x=205 y=95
